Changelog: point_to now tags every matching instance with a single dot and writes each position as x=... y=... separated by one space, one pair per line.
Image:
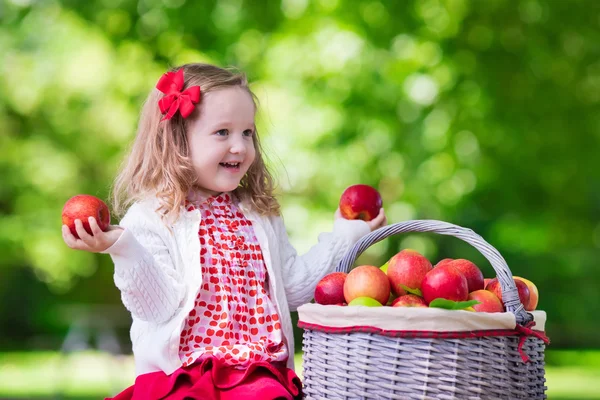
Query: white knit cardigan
x=157 y=270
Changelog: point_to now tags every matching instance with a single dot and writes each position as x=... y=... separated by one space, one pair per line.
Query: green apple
x=384 y=267
x=365 y=301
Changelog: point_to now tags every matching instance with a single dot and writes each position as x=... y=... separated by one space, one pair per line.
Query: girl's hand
x=96 y=243
x=379 y=221
x=376 y=223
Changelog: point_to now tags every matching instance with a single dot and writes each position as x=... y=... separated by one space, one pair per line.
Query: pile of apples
x=408 y=279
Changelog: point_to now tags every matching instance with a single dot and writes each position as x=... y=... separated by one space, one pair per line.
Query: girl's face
x=221 y=139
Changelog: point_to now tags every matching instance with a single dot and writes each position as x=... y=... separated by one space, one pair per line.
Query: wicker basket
x=349 y=356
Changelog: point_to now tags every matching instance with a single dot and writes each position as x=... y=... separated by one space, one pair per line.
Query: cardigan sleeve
x=301 y=273
x=151 y=289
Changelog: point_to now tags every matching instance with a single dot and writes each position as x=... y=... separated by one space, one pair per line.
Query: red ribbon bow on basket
x=171 y=84
x=526 y=331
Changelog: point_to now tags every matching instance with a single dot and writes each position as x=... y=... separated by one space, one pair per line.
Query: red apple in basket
x=471 y=272
x=534 y=294
x=407 y=268
x=360 y=202
x=367 y=281
x=330 y=289
x=488 y=301
x=444 y=261
x=486 y=281
x=82 y=207
x=409 y=300
x=446 y=282
x=494 y=287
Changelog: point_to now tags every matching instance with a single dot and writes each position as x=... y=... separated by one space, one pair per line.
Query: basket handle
x=510 y=295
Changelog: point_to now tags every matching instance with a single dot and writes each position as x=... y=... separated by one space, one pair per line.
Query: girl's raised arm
x=301 y=273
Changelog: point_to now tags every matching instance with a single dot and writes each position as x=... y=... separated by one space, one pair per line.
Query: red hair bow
x=171 y=84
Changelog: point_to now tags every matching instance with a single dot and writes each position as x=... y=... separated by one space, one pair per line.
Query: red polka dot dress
x=233 y=318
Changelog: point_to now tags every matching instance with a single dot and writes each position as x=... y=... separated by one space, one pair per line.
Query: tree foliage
x=483 y=114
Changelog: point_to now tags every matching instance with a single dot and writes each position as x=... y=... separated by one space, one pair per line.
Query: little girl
x=202 y=258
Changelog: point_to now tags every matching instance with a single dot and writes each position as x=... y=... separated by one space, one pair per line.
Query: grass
x=79 y=375
x=92 y=375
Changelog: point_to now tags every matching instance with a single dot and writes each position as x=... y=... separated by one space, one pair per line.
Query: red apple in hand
x=446 y=282
x=407 y=268
x=488 y=301
x=494 y=287
x=471 y=272
x=82 y=207
x=330 y=289
x=409 y=300
x=360 y=202
x=367 y=281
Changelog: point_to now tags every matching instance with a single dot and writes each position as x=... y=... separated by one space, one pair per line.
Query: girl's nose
x=237 y=145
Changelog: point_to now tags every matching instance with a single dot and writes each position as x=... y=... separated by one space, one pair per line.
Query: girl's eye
x=248 y=132
x=222 y=132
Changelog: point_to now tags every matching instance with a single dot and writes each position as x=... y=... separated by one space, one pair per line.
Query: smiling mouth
x=230 y=165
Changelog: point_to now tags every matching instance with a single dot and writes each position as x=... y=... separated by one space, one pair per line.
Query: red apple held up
x=444 y=282
x=407 y=268
x=330 y=289
x=471 y=272
x=360 y=202
x=534 y=294
x=443 y=261
x=367 y=281
x=495 y=287
x=82 y=207
x=488 y=301
x=409 y=300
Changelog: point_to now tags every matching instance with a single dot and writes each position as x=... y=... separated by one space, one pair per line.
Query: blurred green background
x=485 y=114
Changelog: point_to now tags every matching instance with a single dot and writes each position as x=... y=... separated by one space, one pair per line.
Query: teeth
x=231 y=164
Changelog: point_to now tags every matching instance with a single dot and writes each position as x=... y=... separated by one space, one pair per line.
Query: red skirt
x=211 y=379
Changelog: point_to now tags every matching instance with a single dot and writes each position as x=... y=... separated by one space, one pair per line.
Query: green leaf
x=452 y=305
x=416 y=291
